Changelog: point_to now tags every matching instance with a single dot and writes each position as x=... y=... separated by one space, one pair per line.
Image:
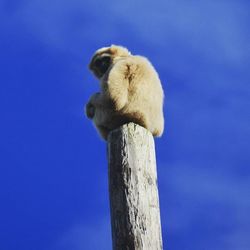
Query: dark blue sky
x=53 y=167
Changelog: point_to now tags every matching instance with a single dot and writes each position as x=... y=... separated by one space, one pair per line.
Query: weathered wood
x=134 y=202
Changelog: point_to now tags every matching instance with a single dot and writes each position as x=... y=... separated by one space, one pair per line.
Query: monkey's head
x=105 y=57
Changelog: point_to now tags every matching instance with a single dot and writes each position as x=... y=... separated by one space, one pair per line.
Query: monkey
x=130 y=91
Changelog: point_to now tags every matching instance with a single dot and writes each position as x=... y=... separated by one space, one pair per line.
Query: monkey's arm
x=116 y=83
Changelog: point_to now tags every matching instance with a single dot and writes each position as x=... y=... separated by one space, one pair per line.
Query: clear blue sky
x=53 y=167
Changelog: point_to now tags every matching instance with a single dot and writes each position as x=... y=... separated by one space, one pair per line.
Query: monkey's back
x=145 y=96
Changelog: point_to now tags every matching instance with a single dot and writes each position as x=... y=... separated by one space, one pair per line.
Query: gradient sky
x=53 y=166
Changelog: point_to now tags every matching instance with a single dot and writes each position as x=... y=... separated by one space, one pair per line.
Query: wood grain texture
x=134 y=202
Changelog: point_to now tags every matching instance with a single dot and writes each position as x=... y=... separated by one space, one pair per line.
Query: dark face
x=101 y=65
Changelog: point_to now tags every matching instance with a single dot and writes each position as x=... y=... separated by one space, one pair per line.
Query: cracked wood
x=134 y=202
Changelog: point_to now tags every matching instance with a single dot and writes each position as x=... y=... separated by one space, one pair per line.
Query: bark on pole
x=134 y=201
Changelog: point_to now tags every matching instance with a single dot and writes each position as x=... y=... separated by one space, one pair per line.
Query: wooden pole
x=134 y=202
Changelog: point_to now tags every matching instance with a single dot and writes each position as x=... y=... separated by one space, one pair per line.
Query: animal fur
x=131 y=91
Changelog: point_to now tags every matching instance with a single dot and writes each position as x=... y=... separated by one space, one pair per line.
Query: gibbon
x=131 y=91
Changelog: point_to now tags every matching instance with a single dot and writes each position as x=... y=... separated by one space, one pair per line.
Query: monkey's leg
x=99 y=100
x=103 y=120
x=103 y=132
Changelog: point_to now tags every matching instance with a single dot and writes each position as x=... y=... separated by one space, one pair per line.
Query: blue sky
x=53 y=167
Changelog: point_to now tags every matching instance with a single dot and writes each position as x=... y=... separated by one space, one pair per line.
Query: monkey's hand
x=90 y=110
x=94 y=102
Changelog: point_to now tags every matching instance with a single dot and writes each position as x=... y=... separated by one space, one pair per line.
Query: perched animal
x=131 y=91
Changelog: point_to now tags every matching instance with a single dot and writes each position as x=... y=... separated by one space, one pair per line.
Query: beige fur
x=131 y=91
